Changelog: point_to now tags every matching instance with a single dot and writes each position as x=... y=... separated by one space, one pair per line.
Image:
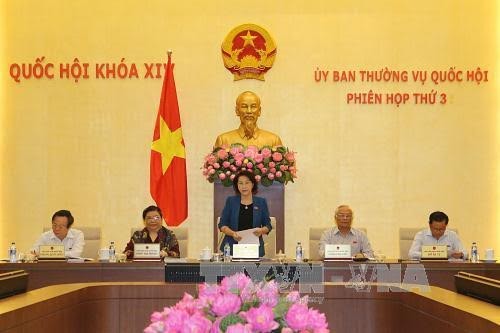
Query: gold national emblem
x=248 y=52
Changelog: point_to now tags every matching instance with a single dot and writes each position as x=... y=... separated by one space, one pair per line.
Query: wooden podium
x=275 y=196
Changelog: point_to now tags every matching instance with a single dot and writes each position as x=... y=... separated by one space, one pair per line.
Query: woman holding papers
x=244 y=211
x=154 y=232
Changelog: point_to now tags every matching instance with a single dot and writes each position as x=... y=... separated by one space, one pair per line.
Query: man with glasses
x=343 y=233
x=62 y=234
x=437 y=234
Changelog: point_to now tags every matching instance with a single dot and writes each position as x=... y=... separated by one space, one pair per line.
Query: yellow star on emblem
x=248 y=39
x=169 y=144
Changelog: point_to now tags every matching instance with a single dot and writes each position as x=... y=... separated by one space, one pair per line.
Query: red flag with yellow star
x=168 y=184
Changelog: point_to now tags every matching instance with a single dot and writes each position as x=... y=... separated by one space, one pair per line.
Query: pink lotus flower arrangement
x=268 y=164
x=238 y=305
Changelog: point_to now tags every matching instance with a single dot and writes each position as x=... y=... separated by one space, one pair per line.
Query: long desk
x=49 y=273
x=126 y=307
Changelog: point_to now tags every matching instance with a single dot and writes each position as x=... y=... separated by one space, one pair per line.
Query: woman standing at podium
x=244 y=211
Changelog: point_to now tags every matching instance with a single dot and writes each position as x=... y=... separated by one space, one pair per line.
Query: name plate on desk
x=53 y=252
x=338 y=251
x=245 y=251
x=431 y=252
x=147 y=251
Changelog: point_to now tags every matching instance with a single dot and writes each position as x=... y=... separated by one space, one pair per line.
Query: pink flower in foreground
x=270 y=176
x=208 y=292
x=266 y=152
x=277 y=157
x=297 y=316
x=316 y=320
x=226 y=164
x=260 y=165
x=232 y=177
x=235 y=283
x=290 y=156
x=211 y=171
x=272 y=164
x=269 y=294
x=210 y=159
x=175 y=321
x=232 y=168
x=156 y=327
x=222 y=154
x=216 y=165
x=272 y=170
x=293 y=296
x=238 y=163
x=261 y=318
x=197 y=323
x=225 y=304
x=239 y=328
x=278 y=174
x=283 y=167
x=258 y=158
x=286 y=330
x=250 y=153
x=239 y=157
x=222 y=176
x=235 y=150
x=257 y=178
x=249 y=165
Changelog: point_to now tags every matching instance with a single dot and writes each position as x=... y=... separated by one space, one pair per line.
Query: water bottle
x=473 y=253
x=227 y=252
x=13 y=252
x=298 y=252
x=112 y=252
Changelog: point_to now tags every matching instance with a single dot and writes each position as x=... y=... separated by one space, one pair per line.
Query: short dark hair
x=250 y=176
x=64 y=213
x=438 y=217
x=151 y=209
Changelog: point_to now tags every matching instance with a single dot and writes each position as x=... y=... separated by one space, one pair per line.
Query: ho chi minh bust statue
x=248 y=109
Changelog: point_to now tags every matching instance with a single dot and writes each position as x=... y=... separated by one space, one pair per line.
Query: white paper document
x=247 y=237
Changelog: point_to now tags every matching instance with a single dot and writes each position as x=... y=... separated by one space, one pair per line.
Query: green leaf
x=229 y=320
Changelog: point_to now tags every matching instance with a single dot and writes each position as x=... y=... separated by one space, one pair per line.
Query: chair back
x=315 y=234
x=92 y=237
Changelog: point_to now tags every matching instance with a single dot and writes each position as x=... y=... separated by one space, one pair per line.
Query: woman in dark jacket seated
x=154 y=232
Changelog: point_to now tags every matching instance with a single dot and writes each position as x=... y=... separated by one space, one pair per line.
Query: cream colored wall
x=85 y=146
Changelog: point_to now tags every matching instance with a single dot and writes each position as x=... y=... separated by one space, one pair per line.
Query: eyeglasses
x=58 y=226
x=344 y=216
x=153 y=218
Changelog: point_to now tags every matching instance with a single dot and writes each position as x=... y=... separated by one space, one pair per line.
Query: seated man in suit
x=343 y=233
x=62 y=233
x=437 y=234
